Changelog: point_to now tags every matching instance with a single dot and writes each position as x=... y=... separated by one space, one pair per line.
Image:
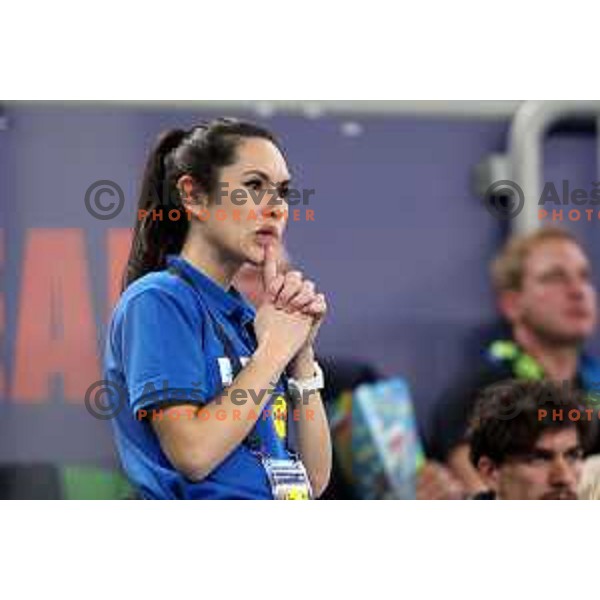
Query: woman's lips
x=266 y=237
x=267 y=234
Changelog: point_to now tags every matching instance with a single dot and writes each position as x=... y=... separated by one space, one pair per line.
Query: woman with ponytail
x=217 y=400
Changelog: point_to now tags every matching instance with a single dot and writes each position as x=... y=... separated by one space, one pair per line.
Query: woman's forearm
x=196 y=445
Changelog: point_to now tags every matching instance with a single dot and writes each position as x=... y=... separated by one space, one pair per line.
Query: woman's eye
x=284 y=192
x=255 y=184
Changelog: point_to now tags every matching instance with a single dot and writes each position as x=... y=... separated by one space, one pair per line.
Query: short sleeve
x=162 y=351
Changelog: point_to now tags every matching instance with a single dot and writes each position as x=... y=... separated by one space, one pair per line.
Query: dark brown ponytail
x=153 y=239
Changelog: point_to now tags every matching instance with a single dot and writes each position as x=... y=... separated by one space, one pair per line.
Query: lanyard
x=253 y=441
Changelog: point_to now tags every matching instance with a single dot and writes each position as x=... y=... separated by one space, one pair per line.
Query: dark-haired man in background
x=519 y=447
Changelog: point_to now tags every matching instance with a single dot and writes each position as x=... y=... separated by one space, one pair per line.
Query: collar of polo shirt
x=229 y=302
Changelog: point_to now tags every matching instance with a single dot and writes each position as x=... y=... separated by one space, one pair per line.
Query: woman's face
x=248 y=209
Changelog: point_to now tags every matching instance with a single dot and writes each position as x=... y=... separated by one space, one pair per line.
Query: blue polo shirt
x=162 y=350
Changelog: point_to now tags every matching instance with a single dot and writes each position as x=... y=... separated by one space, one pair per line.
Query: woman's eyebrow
x=265 y=177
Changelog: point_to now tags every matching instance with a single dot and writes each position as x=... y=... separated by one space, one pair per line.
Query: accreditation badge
x=288 y=479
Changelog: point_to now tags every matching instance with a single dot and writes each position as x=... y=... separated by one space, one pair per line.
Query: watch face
x=300 y=389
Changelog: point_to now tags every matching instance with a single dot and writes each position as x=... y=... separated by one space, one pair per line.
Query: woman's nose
x=275 y=210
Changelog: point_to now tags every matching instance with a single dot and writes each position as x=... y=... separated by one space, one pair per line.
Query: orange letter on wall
x=56 y=332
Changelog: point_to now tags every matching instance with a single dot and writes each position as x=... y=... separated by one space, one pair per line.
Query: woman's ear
x=192 y=196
